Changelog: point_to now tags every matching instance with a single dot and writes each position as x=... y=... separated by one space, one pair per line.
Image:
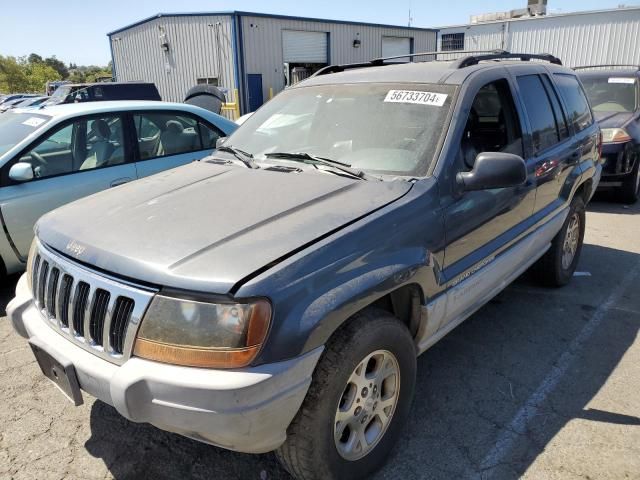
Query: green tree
x=20 y=75
x=58 y=66
x=35 y=58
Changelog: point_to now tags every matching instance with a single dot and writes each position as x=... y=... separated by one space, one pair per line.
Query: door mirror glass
x=21 y=172
x=494 y=170
x=220 y=141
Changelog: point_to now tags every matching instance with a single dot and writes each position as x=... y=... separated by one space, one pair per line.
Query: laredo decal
x=473 y=270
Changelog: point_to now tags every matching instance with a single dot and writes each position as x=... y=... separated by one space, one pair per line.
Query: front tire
x=359 y=399
x=556 y=267
x=630 y=189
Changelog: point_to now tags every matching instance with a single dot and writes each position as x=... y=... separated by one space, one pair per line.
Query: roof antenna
x=410 y=17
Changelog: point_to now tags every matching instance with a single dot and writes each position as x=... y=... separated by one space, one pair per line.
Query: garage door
x=394 y=46
x=304 y=47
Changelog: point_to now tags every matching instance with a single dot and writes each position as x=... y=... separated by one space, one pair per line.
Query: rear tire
x=356 y=406
x=630 y=189
x=556 y=267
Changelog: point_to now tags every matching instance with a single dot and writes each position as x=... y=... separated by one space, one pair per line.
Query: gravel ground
x=540 y=383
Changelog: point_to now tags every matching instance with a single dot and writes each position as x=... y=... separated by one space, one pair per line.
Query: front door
x=74 y=160
x=479 y=223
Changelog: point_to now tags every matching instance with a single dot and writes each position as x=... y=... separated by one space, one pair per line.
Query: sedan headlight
x=201 y=334
x=615 y=135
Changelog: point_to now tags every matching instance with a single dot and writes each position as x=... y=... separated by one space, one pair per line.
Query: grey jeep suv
x=275 y=295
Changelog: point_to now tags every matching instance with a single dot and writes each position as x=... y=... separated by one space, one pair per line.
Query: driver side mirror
x=220 y=141
x=21 y=172
x=494 y=170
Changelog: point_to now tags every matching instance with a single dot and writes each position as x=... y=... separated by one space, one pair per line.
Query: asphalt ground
x=540 y=384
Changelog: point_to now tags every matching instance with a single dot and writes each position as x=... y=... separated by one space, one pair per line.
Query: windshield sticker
x=416 y=96
x=621 y=80
x=33 y=121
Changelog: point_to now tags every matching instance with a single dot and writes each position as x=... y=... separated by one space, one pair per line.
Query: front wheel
x=556 y=267
x=630 y=189
x=358 y=401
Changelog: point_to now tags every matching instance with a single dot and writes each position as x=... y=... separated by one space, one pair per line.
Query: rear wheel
x=556 y=267
x=630 y=189
x=358 y=401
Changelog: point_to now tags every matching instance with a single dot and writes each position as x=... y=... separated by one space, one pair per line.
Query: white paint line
x=581 y=274
x=511 y=434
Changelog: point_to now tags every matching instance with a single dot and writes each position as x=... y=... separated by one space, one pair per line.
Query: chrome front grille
x=99 y=313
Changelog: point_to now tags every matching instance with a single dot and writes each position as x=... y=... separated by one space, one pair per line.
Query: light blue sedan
x=56 y=154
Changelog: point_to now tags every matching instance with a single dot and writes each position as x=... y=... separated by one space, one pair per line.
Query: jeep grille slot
x=98 y=315
x=96 y=312
x=79 y=307
x=119 y=321
x=42 y=282
x=52 y=288
x=65 y=297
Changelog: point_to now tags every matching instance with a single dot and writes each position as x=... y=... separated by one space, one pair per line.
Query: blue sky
x=75 y=30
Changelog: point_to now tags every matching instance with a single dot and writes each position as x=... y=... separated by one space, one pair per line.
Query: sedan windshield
x=14 y=127
x=611 y=94
x=388 y=129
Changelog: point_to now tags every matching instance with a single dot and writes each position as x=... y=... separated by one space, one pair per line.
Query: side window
x=539 y=111
x=492 y=125
x=209 y=135
x=576 y=101
x=558 y=113
x=82 y=145
x=163 y=134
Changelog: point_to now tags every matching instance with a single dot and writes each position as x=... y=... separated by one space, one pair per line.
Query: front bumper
x=617 y=165
x=247 y=410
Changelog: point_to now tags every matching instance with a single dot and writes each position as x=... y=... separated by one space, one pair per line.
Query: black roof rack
x=504 y=55
x=583 y=67
x=467 y=61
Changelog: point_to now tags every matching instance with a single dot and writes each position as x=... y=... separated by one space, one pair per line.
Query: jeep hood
x=206 y=227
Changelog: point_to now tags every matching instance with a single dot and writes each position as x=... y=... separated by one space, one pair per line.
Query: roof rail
x=583 y=67
x=504 y=55
x=377 y=62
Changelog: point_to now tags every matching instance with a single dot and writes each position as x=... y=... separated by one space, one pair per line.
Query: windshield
x=389 y=129
x=611 y=94
x=14 y=127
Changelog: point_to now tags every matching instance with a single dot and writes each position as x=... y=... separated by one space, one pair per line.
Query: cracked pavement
x=469 y=391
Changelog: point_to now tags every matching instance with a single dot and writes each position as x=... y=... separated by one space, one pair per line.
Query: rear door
x=168 y=139
x=71 y=161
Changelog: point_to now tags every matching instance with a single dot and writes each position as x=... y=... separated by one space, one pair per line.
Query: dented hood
x=206 y=227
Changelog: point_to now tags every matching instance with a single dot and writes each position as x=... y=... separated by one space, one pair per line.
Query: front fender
x=316 y=290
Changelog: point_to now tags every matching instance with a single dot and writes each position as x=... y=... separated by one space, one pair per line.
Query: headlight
x=200 y=334
x=30 y=259
x=615 y=135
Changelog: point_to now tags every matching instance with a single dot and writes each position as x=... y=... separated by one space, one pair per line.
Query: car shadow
x=469 y=388
x=606 y=202
x=7 y=291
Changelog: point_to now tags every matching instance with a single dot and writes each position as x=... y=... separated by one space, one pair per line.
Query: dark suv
x=275 y=295
x=614 y=94
x=104 y=91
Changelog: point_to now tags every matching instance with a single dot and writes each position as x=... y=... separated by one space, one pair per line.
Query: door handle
x=120 y=181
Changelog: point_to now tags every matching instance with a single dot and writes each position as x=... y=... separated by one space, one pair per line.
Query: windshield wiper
x=308 y=158
x=241 y=155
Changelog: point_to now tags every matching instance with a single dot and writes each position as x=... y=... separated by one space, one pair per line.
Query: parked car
x=23 y=102
x=104 y=91
x=15 y=96
x=615 y=98
x=57 y=154
x=276 y=295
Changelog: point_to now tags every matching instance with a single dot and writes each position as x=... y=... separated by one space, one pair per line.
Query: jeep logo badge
x=75 y=248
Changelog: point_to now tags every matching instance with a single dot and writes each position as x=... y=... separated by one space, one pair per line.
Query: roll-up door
x=304 y=47
x=394 y=46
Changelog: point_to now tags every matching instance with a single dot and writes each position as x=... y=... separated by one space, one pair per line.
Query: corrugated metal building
x=257 y=54
x=580 y=38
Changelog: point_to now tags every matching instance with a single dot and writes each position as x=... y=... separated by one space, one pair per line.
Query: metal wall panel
x=199 y=47
x=263 y=44
x=584 y=38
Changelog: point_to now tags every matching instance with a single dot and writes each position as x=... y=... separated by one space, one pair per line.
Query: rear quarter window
x=578 y=109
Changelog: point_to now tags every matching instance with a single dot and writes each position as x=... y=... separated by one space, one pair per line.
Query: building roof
x=543 y=17
x=235 y=13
